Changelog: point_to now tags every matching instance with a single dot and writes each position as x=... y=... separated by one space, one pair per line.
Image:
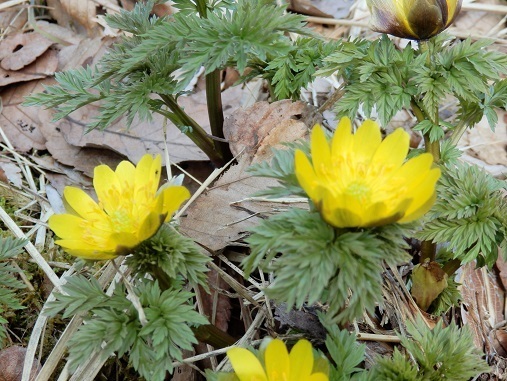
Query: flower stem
x=216 y=114
x=458 y=132
x=214 y=100
x=196 y=133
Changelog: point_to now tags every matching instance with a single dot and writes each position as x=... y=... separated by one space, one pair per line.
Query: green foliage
x=379 y=76
x=112 y=325
x=290 y=72
x=376 y=75
x=449 y=154
x=470 y=213
x=434 y=131
x=340 y=267
x=448 y=298
x=81 y=295
x=9 y=248
x=232 y=37
x=121 y=90
x=443 y=352
x=171 y=253
x=397 y=368
x=346 y=353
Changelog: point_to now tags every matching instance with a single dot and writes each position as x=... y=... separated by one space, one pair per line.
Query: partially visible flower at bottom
x=278 y=364
x=360 y=180
x=130 y=210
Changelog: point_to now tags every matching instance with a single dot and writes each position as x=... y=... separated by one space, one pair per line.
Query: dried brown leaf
x=483 y=304
x=263 y=126
x=44 y=66
x=21 y=49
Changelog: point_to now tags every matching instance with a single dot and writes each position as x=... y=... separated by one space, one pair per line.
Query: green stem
x=196 y=133
x=202 y=8
x=431 y=147
x=458 y=132
x=214 y=100
x=216 y=114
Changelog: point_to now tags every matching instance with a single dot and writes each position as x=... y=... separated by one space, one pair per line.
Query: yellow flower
x=358 y=180
x=413 y=19
x=130 y=210
x=279 y=365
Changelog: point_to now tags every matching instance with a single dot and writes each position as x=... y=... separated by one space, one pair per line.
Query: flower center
x=121 y=221
x=359 y=190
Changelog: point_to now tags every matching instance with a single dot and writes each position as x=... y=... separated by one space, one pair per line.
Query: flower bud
x=413 y=19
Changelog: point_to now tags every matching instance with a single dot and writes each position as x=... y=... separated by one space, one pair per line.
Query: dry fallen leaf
x=21 y=49
x=262 y=126
x=44 y=66
x=82 y=11
x=482 y=304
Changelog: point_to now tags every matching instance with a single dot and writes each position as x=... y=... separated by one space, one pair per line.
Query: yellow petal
x=108 y=187
x=317 y=377
x=321 y=153
x=150 y=225
x=305 y=174
x=393 y=149
x=301 y=361
x=125 y=172
x=342 y=143
x=421 y=211
x=66 y=225
x=81 y=203
x=124 y=241
x=147 y=175
x=81 y=249
x=277 y=360
x=246 y=366
x=367 y=140
x=423 y=197
x=173 y=196
x=412 y=170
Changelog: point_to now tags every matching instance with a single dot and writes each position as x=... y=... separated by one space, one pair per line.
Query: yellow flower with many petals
x=130 y=210
x=360 y=180
x=413 y=19
x=279 y=365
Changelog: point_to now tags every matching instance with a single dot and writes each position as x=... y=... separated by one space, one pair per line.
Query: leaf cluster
x=435 y=354
x=470 y=213
x=169 y=252
x=312 y=261
x=120 y=89
x=111 y=324
x=290 y=72
x=9 y=248
x=378 y=76
x=162 y=55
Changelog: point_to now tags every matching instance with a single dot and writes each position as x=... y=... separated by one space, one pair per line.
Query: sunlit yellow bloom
x=130 y=210
x=360 y=180
x=279 y=365
x=413 y=19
